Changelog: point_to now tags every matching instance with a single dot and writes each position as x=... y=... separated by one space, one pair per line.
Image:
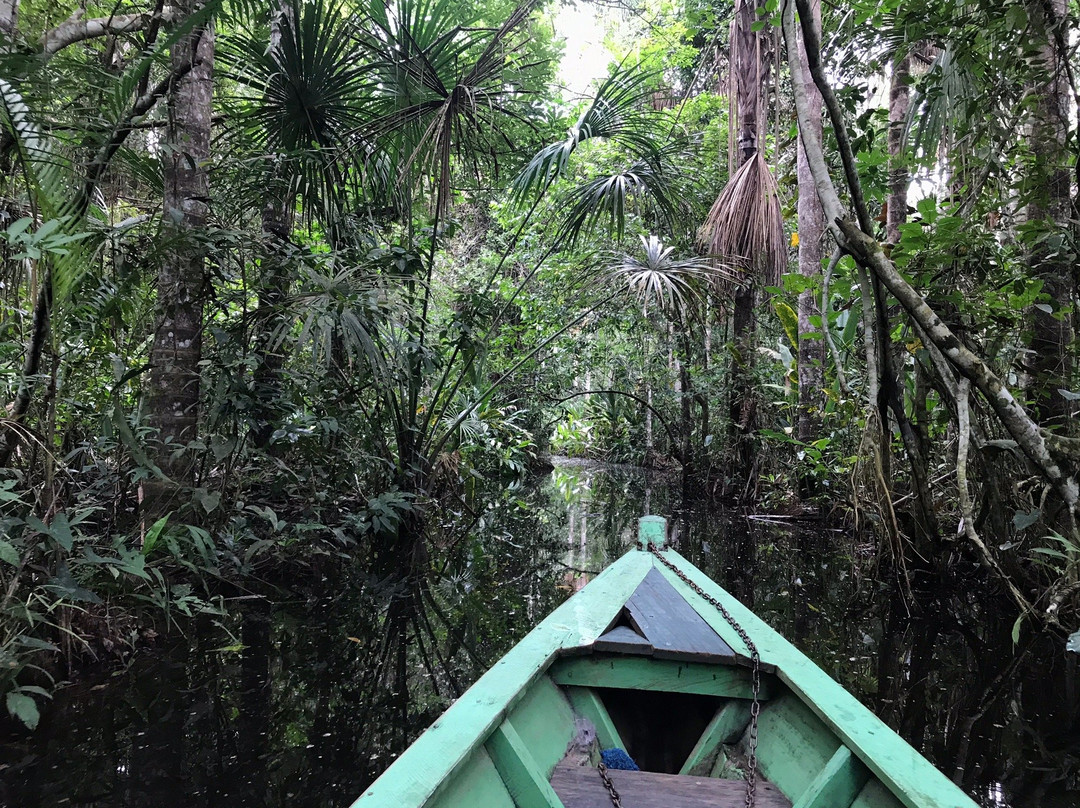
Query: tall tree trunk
x=9 y=18
x=277 y=222
x=173 y=404
x=811 y=346
x=1050 y=363
x=749 y=73
x=899 y=101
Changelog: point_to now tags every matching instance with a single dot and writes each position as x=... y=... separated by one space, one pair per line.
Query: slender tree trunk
x=749 y=72
x=173 y=401
x=1050 y=360
x=899 y=177
x=277 y=223
x=811 y=230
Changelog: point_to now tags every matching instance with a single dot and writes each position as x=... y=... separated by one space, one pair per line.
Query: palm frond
x=946 y=94
x=745 y=227
x=607 y=199
x=659 y=279
x=617 y=111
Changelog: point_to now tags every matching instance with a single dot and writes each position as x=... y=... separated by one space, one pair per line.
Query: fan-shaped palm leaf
x=948 y=93
x=607 y=198
x=657 y=278
x=617 y=111
x=304 y=97
x=436 y=99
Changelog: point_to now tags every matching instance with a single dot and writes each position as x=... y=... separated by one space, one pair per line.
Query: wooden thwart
x=637 y=673
x=581 y=787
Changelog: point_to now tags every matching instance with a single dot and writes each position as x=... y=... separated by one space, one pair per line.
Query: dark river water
x=286 y=703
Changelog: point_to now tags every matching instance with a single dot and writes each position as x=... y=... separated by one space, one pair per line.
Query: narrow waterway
x=279 y=707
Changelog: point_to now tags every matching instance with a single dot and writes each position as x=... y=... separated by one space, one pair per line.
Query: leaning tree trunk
x=173 y=402
x=811 y=346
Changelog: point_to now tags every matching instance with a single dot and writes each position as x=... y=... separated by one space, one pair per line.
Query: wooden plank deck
x=581 y=787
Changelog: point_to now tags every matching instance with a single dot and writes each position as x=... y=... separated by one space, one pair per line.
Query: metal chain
x=755 y=660
x=610 y=786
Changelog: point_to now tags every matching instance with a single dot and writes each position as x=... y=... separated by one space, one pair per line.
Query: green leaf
x=1016 y=629
x=1016 y=18
x=1025 y=519
x=154 y=533
x=8 y=553
x=24 y=708
x=35 y=643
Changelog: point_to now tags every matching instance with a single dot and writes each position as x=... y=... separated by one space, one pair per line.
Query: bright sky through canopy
x=586 y=58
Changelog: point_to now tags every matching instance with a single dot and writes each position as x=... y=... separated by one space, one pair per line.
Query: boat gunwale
x=425 y=768
x=913 y=779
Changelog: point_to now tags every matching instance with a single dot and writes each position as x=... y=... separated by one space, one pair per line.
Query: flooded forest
x=341 y=341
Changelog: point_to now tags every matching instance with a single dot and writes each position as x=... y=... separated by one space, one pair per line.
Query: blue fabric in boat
x=618 y=759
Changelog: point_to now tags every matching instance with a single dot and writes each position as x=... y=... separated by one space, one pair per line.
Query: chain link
x=755 y=679
x=616 y=801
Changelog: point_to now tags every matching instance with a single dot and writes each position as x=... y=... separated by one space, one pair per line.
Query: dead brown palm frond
x=745 y=228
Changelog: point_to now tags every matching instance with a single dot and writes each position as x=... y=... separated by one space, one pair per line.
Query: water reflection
x=288 y=708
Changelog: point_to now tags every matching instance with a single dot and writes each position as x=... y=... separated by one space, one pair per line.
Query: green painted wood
x=638 y=673
x=431 y=764
x=837 y=785
x=908 y=775
x=635 y=673
x=794 y=745
x=726 y=726
x=587 y=704
x=652 y=530
x=520 y=772
x=875 y=795
x=477 y=783
x=545 y=721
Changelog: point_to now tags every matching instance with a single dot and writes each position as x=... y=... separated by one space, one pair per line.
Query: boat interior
x=661 y=685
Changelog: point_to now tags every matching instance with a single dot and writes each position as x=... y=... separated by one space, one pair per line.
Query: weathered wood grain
x=518 y=769
x=643 y=673
x=671 y=626
x=581 y=787
x=726 y=726
x=904 y=772
x=623 y=640
x=837 y=785
x=794 y=744
x=587 y=704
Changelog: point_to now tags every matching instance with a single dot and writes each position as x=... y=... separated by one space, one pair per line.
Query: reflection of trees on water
x=937 y=664
x=311 y=698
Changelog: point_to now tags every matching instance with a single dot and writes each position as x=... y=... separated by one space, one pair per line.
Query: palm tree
x=745 y=226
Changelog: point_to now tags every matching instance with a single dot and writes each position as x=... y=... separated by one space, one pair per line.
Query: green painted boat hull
x=499 y=744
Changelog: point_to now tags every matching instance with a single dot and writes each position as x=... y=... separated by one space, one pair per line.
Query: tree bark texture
x=173 y=405
x=899 y=176
x=1050 y=362
x=811 y=348
x=9 y=18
